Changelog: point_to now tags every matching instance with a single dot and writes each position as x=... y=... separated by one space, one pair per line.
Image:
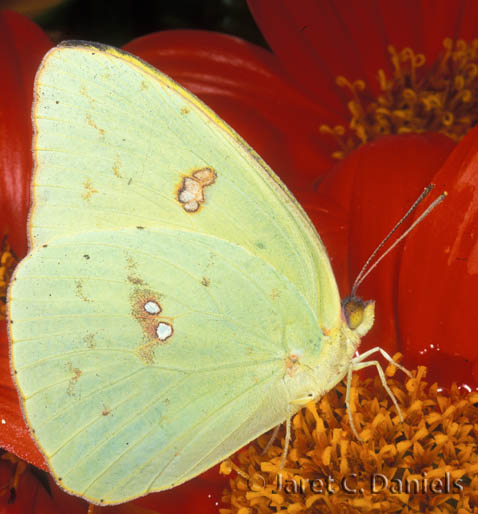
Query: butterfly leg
x=385 y=355
x=287 y=440
x=290 y=413
x=271 y=440
x=359 y=363
x=347 y=402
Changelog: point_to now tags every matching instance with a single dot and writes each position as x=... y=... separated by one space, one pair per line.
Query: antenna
x=367 y=268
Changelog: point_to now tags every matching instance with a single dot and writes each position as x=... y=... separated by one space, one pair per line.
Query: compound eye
x=353 y=309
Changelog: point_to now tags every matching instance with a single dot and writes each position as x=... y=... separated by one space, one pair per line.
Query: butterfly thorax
x=311 y=380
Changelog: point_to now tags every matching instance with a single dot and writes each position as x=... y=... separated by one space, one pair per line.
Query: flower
x=380 y=67
x=430 y=461
x=426 y=318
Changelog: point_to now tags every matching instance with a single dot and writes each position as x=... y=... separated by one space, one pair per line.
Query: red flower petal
x=315 y=44
x=439 y=274
x=22 y=46
x=375 y=186
x=330 y=219
x=202 y=495
x=30 y=494
x=14 y=434
x=245 y=86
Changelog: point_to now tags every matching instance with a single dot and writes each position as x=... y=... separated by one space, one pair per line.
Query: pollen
x=430 y=461
x=8 y=261
x=419 y=97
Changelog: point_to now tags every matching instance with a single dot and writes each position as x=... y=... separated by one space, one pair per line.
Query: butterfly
x=176 y=301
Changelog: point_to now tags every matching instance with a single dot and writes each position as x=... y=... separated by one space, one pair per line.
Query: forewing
x=119 y=144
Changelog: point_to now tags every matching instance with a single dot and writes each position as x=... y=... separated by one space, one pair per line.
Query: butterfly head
x=359 y=315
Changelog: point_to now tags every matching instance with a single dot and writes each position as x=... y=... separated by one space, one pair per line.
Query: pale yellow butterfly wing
x=176 y=299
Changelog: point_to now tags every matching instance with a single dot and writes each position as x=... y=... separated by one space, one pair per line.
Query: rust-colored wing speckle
x=157 y=328
x=89 y=190
x=190 y=193
x=76 y=374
